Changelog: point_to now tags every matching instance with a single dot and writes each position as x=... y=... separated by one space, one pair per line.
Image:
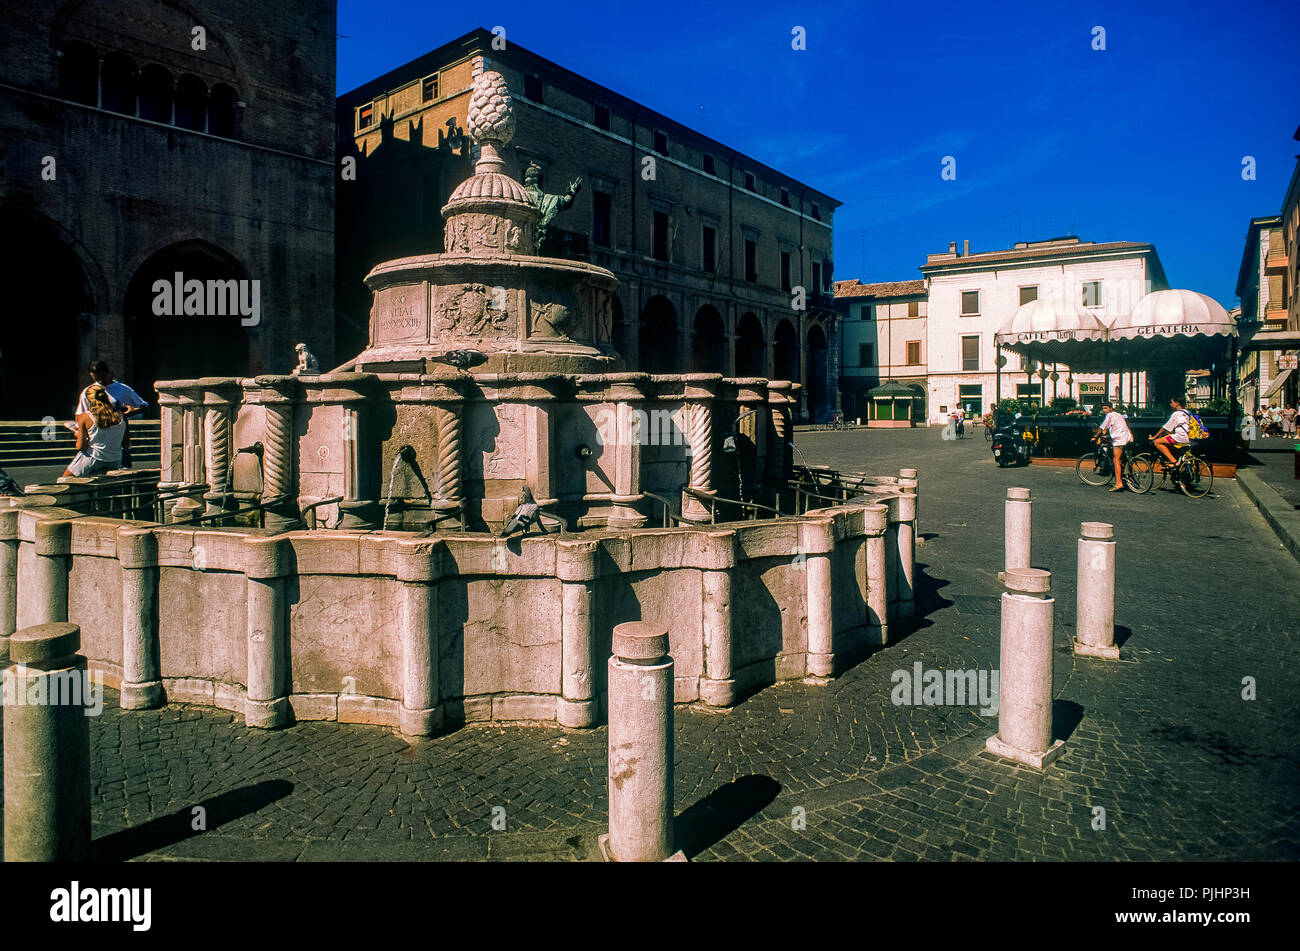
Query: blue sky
x=1142 y=141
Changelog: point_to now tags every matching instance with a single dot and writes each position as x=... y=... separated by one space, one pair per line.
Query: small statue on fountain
x=548 y=205
x=307 y=363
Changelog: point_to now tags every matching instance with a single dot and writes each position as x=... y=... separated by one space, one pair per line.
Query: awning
x=1278 y=384
x=1270 y=340
x=1172 y=329
x=1174 y=313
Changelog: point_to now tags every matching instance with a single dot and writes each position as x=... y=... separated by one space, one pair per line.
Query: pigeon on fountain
x=526 y=515
x=461 y=359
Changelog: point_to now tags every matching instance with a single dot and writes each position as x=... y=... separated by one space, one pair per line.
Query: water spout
x=405 y=454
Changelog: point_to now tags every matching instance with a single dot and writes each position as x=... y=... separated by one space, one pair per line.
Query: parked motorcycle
x=1009 y=444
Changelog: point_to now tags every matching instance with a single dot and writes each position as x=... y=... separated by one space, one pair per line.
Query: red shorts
x=1169 y=441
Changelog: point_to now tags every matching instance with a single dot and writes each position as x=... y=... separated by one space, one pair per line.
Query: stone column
x=47 y=747
x=751 y=424
x=1016 y=528
x=817 y=541
x=626 y=391
x=417 y=572
x=904 y=553
x=575 y=566
x=279 y=494
x=1095 y=607
x=450 y=495
x=8 y=577
x=47 y=598
x=718 y=685
x=137 y=553
x=779 y=433
x=875 y=519
x=218 y=399
x=1025 y=689
x=640 y=745
x=266 y=565
x=909 y=482
x=700 y=390
x=539 y=436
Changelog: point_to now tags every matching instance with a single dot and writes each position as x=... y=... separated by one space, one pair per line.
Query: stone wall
x=413 y=633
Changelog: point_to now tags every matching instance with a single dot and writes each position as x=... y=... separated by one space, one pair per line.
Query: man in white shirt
x=1113 y=425
x=1174 y=431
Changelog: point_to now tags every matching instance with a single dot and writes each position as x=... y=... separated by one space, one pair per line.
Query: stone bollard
x=1025 y=680
x=1095 y=608
x=640 y=746
x=1016 y=530
x=47 y=747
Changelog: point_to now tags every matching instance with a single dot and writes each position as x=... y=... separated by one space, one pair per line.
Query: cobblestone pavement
x=1162 y=740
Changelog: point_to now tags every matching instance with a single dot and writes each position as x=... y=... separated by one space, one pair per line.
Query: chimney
x=952 y=247
x=965 y=248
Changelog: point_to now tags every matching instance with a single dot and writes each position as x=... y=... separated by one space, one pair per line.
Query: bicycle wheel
x=988 y=433
x=1157 y=471
x=1093 y=469
x=1198 y=477
x=1139 y=474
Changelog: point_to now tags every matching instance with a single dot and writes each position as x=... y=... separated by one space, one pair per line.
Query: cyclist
x=1113 y=425
x=1173 y=432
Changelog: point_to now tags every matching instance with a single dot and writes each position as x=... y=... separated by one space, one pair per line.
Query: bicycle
x=987 y=420
x=1190 y=473
x=1098 y=467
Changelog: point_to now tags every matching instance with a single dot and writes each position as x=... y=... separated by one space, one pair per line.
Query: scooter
x=1009 y=445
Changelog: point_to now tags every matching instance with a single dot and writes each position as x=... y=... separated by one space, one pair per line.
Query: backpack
x=1195 y=428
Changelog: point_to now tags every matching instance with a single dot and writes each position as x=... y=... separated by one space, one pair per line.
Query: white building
x=944 y=340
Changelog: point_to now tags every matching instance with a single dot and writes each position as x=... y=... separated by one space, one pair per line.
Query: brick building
x=143 y=139
x=709 y=245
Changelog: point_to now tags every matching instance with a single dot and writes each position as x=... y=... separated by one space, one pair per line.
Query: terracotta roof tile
x=885 y=289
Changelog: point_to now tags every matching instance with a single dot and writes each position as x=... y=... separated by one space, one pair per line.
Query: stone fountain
x=326 y=547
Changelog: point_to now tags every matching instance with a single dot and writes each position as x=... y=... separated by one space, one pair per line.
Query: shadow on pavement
x=1066 y=716
x=722 y=812
x=175 y=828
x=1122 y=634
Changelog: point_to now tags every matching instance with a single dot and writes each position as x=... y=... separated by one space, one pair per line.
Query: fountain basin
x=418 y=633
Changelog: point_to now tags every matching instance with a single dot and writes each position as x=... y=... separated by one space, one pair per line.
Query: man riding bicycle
x=1173 y=432
x=1113 y=426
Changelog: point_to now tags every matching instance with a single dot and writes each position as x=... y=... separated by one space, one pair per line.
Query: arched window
x=221 y=111
x=117 y=84
x=191 y=103
x=79 y=74
x=156 y=94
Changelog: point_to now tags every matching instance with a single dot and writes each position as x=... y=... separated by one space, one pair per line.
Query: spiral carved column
x=279 y=504
x=449 y=456
x=700 y=391
x=216 y=449
x=778 y=444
